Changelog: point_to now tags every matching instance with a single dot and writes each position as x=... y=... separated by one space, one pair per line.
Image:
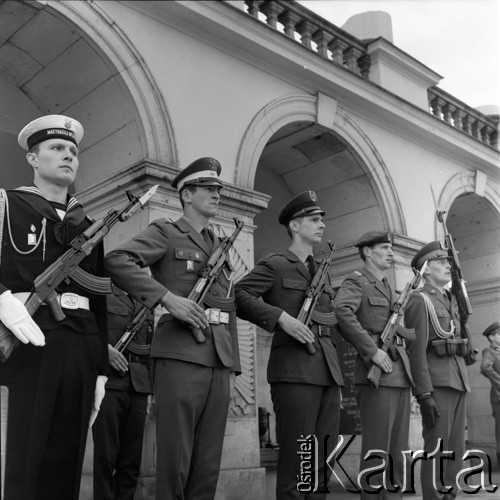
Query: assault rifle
x=136 y=323
x=210 y=273
x=458 y=288
x=318 y=284
x=395 y=324
x=66 y=266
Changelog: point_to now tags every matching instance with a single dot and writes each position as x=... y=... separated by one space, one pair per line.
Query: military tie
x=311 y=265
x=205 y=233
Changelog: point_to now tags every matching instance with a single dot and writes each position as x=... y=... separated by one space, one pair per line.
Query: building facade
x=286 y=101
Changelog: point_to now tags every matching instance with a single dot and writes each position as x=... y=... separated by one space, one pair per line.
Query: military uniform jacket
x=121 y=310
x=175 y=253
x=490 y=368
x=28 y=208
x=281 y=280
x=363 y=307
x=428 y=369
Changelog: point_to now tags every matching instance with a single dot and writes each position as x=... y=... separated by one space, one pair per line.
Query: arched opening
x=475 y=226
x=77 y=73
x=304 y=156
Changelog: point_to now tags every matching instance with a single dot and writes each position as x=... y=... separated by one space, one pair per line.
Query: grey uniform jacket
x=428 y=369
x=175 y=252
x=363 y=307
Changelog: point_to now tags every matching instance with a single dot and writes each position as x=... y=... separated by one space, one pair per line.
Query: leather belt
x=216 y=316
x=321 y=330
x=66 y=300
x=134 y=358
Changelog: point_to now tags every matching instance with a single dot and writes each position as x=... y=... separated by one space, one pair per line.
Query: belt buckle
x=70 y=300
x=214 y=316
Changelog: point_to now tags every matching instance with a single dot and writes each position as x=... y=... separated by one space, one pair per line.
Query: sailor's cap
x=50 y=127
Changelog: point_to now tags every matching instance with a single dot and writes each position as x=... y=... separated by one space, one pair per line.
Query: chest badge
x=189 y=265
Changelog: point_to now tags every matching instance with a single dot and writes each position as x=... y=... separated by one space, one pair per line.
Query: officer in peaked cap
x=202 y=172
x=192 y=380
x=50 y=127
x=305 y=386
x=305 y=203
x=363 y=306
x=438 y=364
x=432 y=251
x=490 y=368
x=374 y=237
x=62 y=379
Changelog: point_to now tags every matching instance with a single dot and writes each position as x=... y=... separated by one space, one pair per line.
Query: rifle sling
x=226 y=305
x=328 y=318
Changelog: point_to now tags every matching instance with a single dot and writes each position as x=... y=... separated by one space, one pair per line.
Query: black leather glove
x=429 y=410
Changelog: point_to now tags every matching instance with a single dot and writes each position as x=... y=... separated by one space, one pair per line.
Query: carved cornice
x=235 y=201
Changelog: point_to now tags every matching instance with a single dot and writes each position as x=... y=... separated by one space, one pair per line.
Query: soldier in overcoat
x=363 y=307
x=439 y=371
x=56 y=378
x=192 y=380
x=305 y=388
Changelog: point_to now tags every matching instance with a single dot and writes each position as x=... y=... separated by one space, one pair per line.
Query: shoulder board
x=271 y=255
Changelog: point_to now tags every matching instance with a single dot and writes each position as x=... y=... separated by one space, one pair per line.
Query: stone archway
x=91 y=72
x=473 y=219
x=322 y=112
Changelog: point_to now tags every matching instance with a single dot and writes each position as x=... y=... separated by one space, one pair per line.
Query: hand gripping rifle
x=318 y=284
x=395 y=325
x=458 y=288
x=66 y=266
x=210 y=273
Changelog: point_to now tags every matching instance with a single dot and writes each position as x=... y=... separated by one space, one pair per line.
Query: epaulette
x=275 y=254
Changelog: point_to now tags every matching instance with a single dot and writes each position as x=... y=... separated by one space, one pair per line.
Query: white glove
x=16 y=318
x=98 y=397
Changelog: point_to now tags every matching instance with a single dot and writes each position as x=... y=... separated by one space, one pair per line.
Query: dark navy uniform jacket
x=27 y=208
x=175 y=253
x=363 y=307
x=281 y=280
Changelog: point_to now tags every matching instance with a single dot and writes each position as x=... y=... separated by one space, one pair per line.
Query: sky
x=458 y=39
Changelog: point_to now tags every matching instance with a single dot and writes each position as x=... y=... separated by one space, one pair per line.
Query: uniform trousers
x=302 y=410
x=450 y=428
x=496 y=416
x=192 y=404
x=118 y=433
x=385 y=424
x=51 y=390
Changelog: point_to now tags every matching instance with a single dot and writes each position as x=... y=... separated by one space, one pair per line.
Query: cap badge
x=312 y=195
x=212 y=164
x=67 y=123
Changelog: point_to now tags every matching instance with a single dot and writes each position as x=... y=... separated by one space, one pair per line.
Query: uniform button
x=181 y=254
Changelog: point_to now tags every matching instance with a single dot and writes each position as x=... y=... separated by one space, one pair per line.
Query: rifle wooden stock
x=210 y=273
x=45 y=285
